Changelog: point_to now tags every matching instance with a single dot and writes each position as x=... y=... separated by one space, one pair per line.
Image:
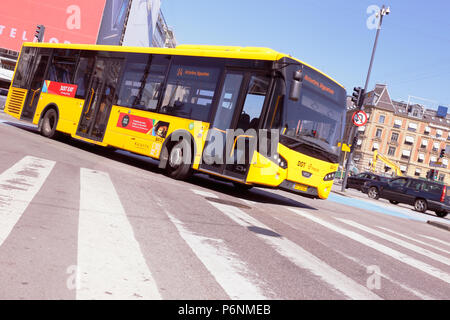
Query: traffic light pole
x=353 y=138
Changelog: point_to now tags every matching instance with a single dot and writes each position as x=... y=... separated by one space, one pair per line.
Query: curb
x=340 y=193
x=439 y=225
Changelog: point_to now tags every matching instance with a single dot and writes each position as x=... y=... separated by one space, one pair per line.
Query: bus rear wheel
x=179 y=160
x=49 y=122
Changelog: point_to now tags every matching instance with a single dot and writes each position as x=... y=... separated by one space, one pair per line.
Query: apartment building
x=409 y=135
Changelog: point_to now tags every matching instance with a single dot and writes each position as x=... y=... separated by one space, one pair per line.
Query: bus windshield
x=317 y=117
x=314 y=116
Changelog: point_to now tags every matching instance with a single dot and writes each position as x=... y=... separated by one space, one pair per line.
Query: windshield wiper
x=314 y=144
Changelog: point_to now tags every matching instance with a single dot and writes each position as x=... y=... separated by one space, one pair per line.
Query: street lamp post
x=353 y=132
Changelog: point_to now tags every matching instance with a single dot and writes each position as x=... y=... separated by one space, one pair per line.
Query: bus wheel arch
x=177 y=154
x=49 y=121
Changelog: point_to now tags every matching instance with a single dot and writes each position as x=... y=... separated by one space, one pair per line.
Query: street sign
x=359 y=118
x=437 y=164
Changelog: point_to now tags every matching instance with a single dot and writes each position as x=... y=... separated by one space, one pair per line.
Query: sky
x=412 y=56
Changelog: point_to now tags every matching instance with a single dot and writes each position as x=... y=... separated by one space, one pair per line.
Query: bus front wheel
x=49 y=122
x=178 y=160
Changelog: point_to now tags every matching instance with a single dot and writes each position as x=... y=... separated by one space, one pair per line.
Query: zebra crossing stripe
x=415 y=240
x=435 y=272
x=18 y=186
x=437 y=240
x=230 y=272
x=110 y=262
x=398 y=241
x=300 y=257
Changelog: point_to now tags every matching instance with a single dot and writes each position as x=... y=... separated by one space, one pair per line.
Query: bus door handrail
x=90 y=103
x=236 y=138
x=32 y=98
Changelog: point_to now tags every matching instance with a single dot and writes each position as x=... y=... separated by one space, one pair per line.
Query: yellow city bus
x=176 y=104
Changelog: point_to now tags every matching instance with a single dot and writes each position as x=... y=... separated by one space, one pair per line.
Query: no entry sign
x=359 y=118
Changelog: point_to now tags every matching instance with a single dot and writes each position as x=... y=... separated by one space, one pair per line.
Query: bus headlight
x=279 y=160
x=329 y=176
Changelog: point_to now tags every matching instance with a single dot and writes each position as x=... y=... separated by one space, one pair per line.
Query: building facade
x=411 y=136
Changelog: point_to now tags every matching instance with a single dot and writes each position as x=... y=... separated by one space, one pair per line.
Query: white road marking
x=303 y=259
x=249 y=202
x=110 y=261
x=415 y=292
x=413 y=239
x=204 y=193
x=398 y=241
x=437 y=240
x=435 y=272
x=18 y=186
x=230 y=272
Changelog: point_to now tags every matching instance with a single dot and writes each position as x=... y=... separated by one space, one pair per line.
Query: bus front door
x=35 y=85
x=232 y=138
x=99 y=99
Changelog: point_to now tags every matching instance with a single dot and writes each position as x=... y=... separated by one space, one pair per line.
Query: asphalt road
x=83 y=222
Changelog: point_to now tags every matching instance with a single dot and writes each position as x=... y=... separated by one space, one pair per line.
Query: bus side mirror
x=296 y=85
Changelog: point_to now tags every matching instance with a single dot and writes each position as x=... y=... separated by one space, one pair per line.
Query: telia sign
x=65 y=21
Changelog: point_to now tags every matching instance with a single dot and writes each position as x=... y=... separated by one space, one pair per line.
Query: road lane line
x=230 y=272
x=248 y=202
x=110 y=261
x=204 y=193
x=398 y=241
x=338 y=281
x=437 y=240
x=413 y=239
x=415 y=292
x=435 y=272
x=18 y=186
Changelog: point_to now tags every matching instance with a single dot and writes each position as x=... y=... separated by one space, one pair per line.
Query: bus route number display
x=359 y=118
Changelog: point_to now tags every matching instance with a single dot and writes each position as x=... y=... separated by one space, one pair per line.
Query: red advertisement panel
x=65 y=21
x=143 y=125
x=135 y=123
x=59 y=88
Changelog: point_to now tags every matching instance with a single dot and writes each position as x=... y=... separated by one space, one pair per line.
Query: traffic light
x=442 y=154
x=358 y=96
x=430 y=174
x=39 y=34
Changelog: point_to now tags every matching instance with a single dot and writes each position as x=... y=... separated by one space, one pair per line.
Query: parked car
x=357 y=181
x=3 y=95
x=422 y=194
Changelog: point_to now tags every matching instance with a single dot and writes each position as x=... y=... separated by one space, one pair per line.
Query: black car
x=422 y=194
x=356 y=182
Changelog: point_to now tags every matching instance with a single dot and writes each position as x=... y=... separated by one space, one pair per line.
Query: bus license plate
x=300 y=187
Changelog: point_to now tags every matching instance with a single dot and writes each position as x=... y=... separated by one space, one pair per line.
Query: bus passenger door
x=100 y=97
x=238 y=111
x=214 y=156
x=36 y=83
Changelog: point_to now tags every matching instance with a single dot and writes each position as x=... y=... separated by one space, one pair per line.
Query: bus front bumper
x=298 y=188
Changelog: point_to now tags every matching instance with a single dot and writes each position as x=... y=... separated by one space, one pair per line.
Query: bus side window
x=62 y=68
x=190 y=89
x=254 y=102
x=142 y=81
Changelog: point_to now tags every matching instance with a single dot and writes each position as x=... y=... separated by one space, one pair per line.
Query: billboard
x=65 y=21
x=112 y=25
